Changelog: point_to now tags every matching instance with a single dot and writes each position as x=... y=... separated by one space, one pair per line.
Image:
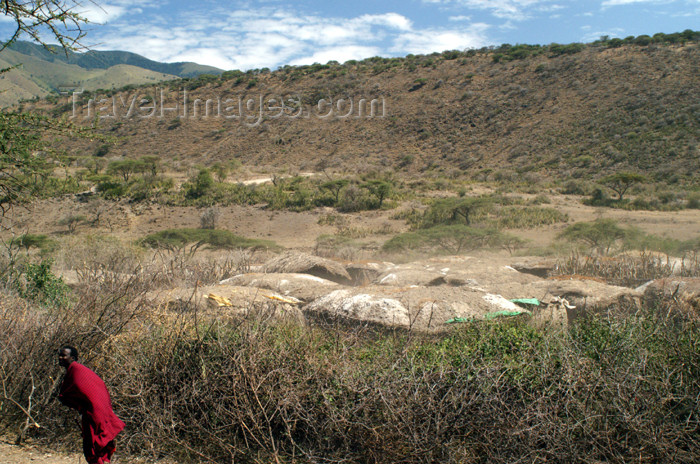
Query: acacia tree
x=621 y=182
x=458 y=238
x=379 y=188
x=335 y=186
x=125 y=168
x=22 y=154
x=601 y=234
x=455 y=210
x=452 y=239
x=36 y=17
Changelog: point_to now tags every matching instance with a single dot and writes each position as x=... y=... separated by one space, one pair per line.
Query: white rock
x=498 y=300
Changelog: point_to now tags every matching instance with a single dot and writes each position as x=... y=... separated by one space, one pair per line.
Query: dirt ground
x=300 y=230
x=30 y=454
x=290 y=230
x=27 y=454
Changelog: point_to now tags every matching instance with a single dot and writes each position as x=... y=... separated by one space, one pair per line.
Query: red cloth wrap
x=85 y=391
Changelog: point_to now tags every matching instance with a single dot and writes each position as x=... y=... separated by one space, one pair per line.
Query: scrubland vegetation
x=271 y=385
x=275 y=386
x=265 y=387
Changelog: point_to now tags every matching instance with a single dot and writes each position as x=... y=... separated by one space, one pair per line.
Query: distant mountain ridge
x=39 y=71
x=95 y=59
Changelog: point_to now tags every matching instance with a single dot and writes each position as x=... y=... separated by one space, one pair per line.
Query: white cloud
x=592 y=36
x=516 y=10
x=623 y=2
x=551 y=8
x=269 y=37
x=609 y=3
x=436 y=40
x=393 y=20
x=96 y=13
x=210 y=56
x=101 y=13
x=339 y=54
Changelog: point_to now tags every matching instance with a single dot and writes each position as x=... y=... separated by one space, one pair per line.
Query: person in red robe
x=84 y=391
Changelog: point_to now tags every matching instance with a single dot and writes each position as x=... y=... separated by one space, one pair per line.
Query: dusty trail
x=11 y=454
x=28 y=454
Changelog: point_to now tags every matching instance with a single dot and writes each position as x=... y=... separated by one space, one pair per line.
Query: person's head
x=66 y=355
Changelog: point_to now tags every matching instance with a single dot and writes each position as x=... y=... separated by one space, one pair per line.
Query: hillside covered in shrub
x=563 y=111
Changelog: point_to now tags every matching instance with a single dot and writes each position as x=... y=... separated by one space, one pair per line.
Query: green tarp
x=505 y=313
x=459 y=319
x=489 y=316
x=526 y=301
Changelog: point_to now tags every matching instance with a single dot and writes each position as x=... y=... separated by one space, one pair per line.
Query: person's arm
x=71 y=401
x=71 y=394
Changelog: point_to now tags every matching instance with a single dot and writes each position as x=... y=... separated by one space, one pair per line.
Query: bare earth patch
x=11 y=454
x=300 y=230
x=28 y=454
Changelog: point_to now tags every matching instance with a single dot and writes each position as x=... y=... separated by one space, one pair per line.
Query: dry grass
x=629 y=270
x=267 y=388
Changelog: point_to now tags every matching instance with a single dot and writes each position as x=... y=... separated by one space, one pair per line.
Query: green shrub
x=213 y=238
x=541 y=199
x=174 y=123
x=40 y=241
x=353 y=199
x=451 y=54
x=621 y=182
x=412 y=216
x=463 y=210
x=339 y=246
x=149 y=187
x=334 y=187
x=294 y=193
x=380 y=190
x=599 y=198
x=126 y=168
x=221 y=171
x=72 y=221
x=516 y=217
x=451 y=239
x=112 y=189
x=574 y=187
x=601 y=235
x=102 y=150
x=693 y=201
x=199 y=186
x=42 y=286
x=636 y=239
x=569 y=49
x=473 y=210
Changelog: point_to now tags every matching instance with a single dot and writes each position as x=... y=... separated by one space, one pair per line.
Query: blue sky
x=272 y=33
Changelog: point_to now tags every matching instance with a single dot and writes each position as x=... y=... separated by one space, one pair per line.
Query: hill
x=559 y=111
x=300 y=358
x=95 y=59
x=41 y=71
